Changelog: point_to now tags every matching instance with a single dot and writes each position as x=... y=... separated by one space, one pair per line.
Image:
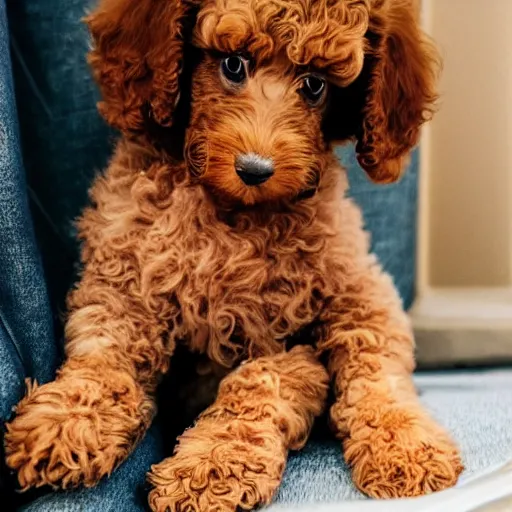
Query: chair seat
x=475 y=406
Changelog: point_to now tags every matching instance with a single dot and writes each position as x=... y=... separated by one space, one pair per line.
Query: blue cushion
x=25 y=327
x=475 y=407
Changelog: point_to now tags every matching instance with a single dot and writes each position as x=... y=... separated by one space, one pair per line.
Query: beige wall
x=466 y=205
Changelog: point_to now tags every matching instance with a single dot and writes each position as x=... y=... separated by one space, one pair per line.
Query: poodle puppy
x=221 y=226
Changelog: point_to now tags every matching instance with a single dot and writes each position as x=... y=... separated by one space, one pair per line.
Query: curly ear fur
x=137 y=59
x=401 y=71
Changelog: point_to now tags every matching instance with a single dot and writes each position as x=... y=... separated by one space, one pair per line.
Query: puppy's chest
x=244 y=296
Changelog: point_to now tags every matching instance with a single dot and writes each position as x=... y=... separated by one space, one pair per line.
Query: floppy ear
x=401 y=71
x=137 y=58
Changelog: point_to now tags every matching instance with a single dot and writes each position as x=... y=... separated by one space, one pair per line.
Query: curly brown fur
x=235 y=454
x=177 y=250
x=79 y=428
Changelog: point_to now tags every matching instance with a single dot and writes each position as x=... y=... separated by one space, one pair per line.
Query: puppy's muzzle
x=254 y=169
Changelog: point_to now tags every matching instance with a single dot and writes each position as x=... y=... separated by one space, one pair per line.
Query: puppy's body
x=221 y=227
x=235 y=283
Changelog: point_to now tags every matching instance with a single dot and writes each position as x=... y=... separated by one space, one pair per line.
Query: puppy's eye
x=313 y=88
x=233 y=68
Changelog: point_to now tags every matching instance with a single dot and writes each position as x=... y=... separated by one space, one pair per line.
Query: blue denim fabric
x=65 y=142
x=27 y=347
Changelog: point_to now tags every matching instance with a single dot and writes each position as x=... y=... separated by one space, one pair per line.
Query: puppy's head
x=263 y=88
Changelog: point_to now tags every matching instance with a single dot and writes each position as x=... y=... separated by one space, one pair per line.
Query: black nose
x=254 y=169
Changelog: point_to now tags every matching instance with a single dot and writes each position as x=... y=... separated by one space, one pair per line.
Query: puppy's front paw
x=220 y=468
x=402 y=454
x=75 y=430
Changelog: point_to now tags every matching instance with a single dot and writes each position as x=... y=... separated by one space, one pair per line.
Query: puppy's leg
x=235 y=454
x=78 y=428
x=394 y=447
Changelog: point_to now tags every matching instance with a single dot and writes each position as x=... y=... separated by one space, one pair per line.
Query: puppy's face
x=277 y=83
x=259 y=99
x=255 y=132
